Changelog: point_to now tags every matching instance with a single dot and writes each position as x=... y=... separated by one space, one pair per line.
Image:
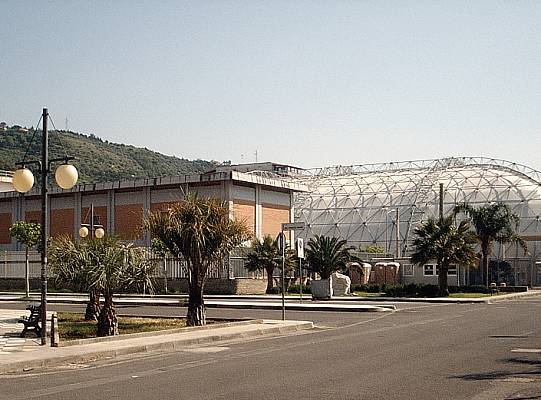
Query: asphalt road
x=422 y=351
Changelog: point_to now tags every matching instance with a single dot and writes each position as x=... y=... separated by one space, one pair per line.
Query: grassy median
x=73 y=326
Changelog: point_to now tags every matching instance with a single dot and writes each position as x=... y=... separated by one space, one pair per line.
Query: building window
x=408 y=269
x=428 y=270
x=451 y=271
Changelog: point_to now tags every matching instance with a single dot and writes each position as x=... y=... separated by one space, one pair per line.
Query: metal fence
x=231 y=267
x=12 y=265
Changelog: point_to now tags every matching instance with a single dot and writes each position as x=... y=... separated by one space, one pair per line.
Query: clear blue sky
x=310 y=83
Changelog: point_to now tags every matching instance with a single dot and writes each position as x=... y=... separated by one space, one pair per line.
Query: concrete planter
x=321 y=289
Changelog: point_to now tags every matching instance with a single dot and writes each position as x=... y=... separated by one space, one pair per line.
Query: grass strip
x=72 y=326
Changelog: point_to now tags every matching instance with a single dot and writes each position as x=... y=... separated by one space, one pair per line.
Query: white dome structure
x=361 y=203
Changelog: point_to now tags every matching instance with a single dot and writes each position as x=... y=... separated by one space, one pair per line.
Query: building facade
x=263 y=203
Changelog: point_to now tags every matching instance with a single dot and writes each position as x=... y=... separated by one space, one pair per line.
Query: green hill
x=97 y=160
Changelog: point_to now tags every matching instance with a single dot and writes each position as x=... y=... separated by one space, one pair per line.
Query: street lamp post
x=95 y=230
x=66 y=176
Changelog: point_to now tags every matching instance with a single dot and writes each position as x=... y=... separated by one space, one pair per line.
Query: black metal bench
x=32 y=322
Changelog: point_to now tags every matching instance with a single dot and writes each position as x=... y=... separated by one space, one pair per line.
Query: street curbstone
x=52 y=357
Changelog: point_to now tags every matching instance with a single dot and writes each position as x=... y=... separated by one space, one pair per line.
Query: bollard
x=55 y=337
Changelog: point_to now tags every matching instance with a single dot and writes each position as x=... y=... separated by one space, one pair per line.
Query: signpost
x=293 y=226
x=300 y=255
x=282 y=242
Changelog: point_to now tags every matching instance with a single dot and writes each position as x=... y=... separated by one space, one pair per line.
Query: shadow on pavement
x=534 y=373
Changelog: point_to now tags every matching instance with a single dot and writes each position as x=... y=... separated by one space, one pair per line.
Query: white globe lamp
x=23 y=180
x=66 y=176
x=99 y=233
x=83 y=232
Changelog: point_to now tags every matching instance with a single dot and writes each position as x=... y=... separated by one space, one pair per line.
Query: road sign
x=293 y=226
x=281 y=240
x=300 y=248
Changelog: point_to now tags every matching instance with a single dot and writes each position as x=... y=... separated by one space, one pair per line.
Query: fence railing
x=12 y=265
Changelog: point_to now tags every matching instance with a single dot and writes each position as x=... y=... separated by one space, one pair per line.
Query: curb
x=303 y=307
x=84 y=354
x=485 y=300
x=211 y=300
x=512 y=296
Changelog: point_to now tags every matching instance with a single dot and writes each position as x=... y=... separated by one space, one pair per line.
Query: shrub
x=469 y=289
x=369 y=288
x=296 y=289
x=428 y=291
x=414 y=289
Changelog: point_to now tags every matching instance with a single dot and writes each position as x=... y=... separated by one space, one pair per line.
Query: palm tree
x=441 y=240
x=266 y=255
x=102 y=266
x=115 y=266
x=70 y=267
x=326 y=255
x=200 y=232
x=493 y=223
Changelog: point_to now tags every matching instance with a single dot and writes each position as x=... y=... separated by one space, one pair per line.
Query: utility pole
x=397 y=231
x=441 y=201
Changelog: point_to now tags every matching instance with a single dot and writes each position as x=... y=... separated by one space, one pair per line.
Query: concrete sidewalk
x=30 y=355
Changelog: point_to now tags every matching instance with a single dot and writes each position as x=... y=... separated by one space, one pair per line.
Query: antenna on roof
x=66 y=124
x=255 y=156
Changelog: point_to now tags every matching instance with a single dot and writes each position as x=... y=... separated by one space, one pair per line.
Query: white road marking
x=210 y=349
x=526 y=351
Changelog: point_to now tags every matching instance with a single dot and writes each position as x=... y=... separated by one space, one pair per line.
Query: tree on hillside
x=199 y=231
x=441 y=240
x=103 y=265
x=326 y=255
x=266 y=255
x=493 y=223
x=29 y=234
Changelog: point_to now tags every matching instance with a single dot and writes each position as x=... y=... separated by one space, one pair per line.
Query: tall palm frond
x=493 y=223
x=326 y=255
x=441 y=240
x=266 y=255
x=201 y=232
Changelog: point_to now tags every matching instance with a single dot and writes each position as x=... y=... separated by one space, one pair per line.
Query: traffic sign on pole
x=300 y=248
x=293 y=226
x=281 y=241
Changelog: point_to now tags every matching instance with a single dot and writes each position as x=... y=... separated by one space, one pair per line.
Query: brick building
x=264 y=203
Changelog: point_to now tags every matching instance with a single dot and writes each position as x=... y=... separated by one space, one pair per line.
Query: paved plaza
x=10 y=331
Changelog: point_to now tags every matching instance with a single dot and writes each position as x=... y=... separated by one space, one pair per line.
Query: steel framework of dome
x=361 y=203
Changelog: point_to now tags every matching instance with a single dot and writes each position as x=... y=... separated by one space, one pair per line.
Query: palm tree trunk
x=484 y=272
x=270 y=280
x=196 y=305
x=107 y=320
x=27 y=273
x=443 y=290
x=93 y=306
